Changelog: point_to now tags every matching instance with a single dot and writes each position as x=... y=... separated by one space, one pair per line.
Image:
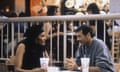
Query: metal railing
x=9 y=36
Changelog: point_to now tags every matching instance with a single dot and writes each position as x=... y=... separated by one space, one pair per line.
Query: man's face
x=82 y=38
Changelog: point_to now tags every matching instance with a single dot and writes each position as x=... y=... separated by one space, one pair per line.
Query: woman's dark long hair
x=33 y=32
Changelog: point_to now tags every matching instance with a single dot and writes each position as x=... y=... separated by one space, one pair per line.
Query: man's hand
x=70 y=64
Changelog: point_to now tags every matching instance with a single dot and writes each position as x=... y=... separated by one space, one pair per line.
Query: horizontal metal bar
x=62 y=18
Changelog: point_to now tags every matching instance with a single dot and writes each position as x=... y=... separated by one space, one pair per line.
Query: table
x=68 y=71
x=58 y=69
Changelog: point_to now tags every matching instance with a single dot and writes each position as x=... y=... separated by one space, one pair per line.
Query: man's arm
x=70 y=64
x=103 y=58
x=94 y=69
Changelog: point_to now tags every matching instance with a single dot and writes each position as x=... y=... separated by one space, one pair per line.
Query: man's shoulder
x=99 y=41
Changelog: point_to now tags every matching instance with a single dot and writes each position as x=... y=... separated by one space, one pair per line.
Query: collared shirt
x=99 y=55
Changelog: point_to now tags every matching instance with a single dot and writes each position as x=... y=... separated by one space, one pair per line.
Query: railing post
x=65 y=44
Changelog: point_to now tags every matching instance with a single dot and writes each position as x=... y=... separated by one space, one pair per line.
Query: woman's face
x=42 y=38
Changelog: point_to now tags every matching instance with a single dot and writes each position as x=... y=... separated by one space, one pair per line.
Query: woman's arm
x=19 y=58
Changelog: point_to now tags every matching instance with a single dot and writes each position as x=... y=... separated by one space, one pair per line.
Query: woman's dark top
x=32 y=54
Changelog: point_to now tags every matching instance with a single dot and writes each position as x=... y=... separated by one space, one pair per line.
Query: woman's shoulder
x=21 y=45
x=24 y=41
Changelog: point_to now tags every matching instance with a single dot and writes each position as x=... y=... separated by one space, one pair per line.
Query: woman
x=30 y=50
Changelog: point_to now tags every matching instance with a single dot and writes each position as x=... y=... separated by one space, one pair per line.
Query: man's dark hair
x=85 y=30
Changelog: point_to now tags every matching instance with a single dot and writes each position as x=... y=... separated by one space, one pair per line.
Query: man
x=95 y=49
